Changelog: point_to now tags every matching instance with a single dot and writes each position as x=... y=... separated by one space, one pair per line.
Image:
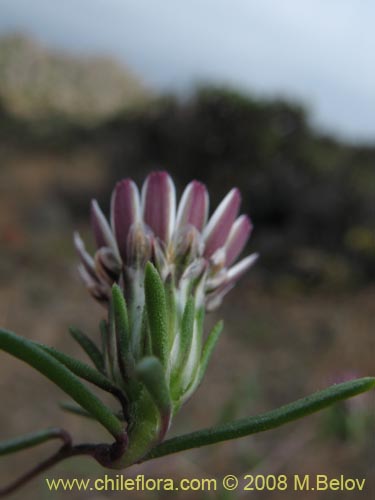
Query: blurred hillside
x=82 y=122
x=38 y=83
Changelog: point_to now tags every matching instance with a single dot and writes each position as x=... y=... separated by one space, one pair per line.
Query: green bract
x=157 y=366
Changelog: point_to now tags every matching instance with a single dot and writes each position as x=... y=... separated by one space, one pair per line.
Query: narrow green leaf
x=187 y=327
x=104 y=333
x=151 y=373
x=114 y=369
x=157 y=313
x=49 y=366
x=184 y=381
x=77 y=410
x=170 y=296
x=89 y=347
x=208 y=349
x=32 y=439
x=81 y=369
x=146 y=347
x=265 y=421
x=121 y=314
x=184 y=348
x=122 y=331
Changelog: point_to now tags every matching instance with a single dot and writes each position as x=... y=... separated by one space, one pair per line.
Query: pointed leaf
x=104 y=334
x=89 y=347
x=77 y=410
x=170 y=297
x=185 y=383
x=121 y=320
x=146 y=347
x=151 y=374
x=209 y=346
x=185 y=343
x=187 y=326
x=113 y=359
x=81 y=369
x=157 y=313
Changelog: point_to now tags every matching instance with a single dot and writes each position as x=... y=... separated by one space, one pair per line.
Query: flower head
x=157 y=269
x=182 y=243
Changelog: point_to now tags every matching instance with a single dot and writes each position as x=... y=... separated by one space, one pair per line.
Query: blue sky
x=317 y=51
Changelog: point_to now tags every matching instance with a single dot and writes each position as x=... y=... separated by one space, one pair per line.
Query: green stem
x=265 y=421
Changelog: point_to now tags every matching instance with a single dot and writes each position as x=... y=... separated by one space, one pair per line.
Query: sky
x=318 y=52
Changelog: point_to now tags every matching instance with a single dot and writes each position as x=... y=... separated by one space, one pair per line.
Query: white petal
x=241 y=267
x=85 y=257
x=102 y=230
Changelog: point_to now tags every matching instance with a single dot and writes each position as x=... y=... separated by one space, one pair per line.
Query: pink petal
x=193 y=207
x=220 y=223
x=102 y=231
x=159 y=204
x=125 y=211
x=238 y=236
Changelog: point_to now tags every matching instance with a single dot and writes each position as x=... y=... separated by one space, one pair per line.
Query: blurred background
x=275 y=98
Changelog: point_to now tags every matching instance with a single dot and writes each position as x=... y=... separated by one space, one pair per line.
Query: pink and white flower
x=185 y=245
